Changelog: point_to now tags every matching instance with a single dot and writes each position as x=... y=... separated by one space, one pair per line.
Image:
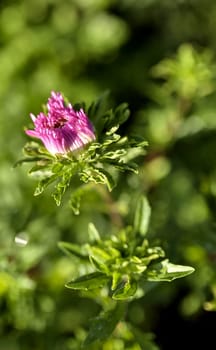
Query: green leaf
x=117 y=154
x=77 y=196
x=40 y=167
x=109 y=140
x=97 y=110
x=109 y=181
x=116 y=278
x=61 y=187
x=75 y=201
x=99 y=253
x=72 y=249
x=94 y=235
x=137 y=141
x=142 y=216
x=125 y=289
x=136 y=265
x=44 y=183
x=57 y=167
x=99 y=265
x=122 y=113
x=88 y=282
x=26 y=160
x=103 y=326
x=97 y=175
x=34 y=149
x=166 y=271
x=145 y=340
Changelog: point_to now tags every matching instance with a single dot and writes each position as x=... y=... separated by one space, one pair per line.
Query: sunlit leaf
x=88 y=282
x=94 y=235
x=72 y=249
x=142 y=216
x=125 y=290
x=99 y=265
x=166 y=271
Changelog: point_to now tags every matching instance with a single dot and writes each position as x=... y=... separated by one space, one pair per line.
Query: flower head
x=63 y=129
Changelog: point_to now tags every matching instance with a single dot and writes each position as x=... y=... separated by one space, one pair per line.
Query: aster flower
x=63 y=129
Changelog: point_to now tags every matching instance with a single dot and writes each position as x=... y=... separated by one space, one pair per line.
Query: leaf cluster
x=97 y=163
x=123 y=263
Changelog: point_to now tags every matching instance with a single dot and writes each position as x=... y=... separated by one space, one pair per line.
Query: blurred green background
x=159 y=56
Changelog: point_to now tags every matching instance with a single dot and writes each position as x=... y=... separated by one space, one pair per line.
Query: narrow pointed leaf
x=94 y=235
x=116 y=278
x=99 y=253
x=88 y=282
x=166 y=271
x=142 y=216
x=98 y=265
x=103 y=326
x=73 y=250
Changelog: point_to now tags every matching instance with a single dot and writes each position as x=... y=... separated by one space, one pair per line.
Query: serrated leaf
x=122 y=113
x=103 y=326
x=97 y=175
x=125 y=290
x=88 y=282
x=97 y=109
x=142 y=216
x=43 y=184
x=113 y=119
x=61 y=187
x=57 y=167
x=109 y=140
x=76 y=196
x=112 y=130
x=120 y=165
x=75 y=201
x=72 y=249
x=109 y=181
x=137 y=141
x=117 y=154
x=166 y=271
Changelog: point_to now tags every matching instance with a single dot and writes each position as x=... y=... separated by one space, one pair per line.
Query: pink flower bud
x=63 y=129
